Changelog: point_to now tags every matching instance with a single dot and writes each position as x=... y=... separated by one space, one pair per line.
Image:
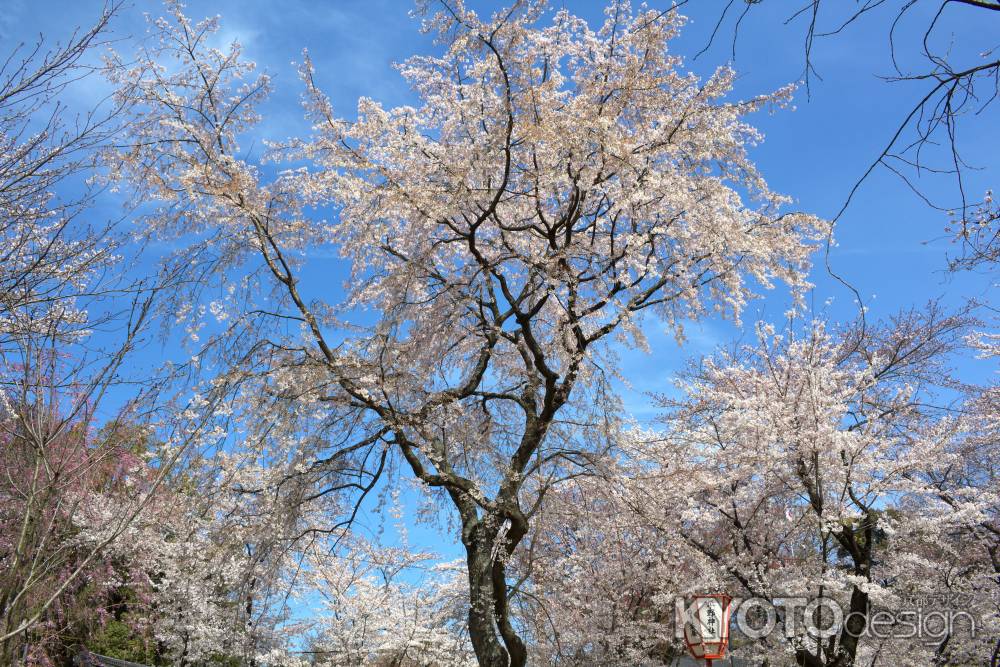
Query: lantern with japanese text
x=706 y=629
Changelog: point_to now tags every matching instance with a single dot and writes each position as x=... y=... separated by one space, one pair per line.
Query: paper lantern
x=706 y=630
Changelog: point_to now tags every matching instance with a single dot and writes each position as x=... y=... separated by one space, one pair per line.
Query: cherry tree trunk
x=493 y=637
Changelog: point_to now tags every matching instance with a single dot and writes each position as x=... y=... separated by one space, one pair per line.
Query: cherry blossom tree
x=198 y=585
x=76 y=414
x=603 y=577
x=387 y=606
x=845 y=438
x=47 y=255
x=52 y=468
x=976 y=229
x=105 y=540
x=843 y=466
x=553 y=187
x=57 y=270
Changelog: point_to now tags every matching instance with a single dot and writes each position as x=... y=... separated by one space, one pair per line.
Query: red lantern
x=706 y=630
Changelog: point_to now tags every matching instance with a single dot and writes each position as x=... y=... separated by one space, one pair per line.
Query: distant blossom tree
x=386 y=606
x=819 y=464
x=54 y=472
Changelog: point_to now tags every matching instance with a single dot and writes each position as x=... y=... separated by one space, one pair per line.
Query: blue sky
x=890 y=244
